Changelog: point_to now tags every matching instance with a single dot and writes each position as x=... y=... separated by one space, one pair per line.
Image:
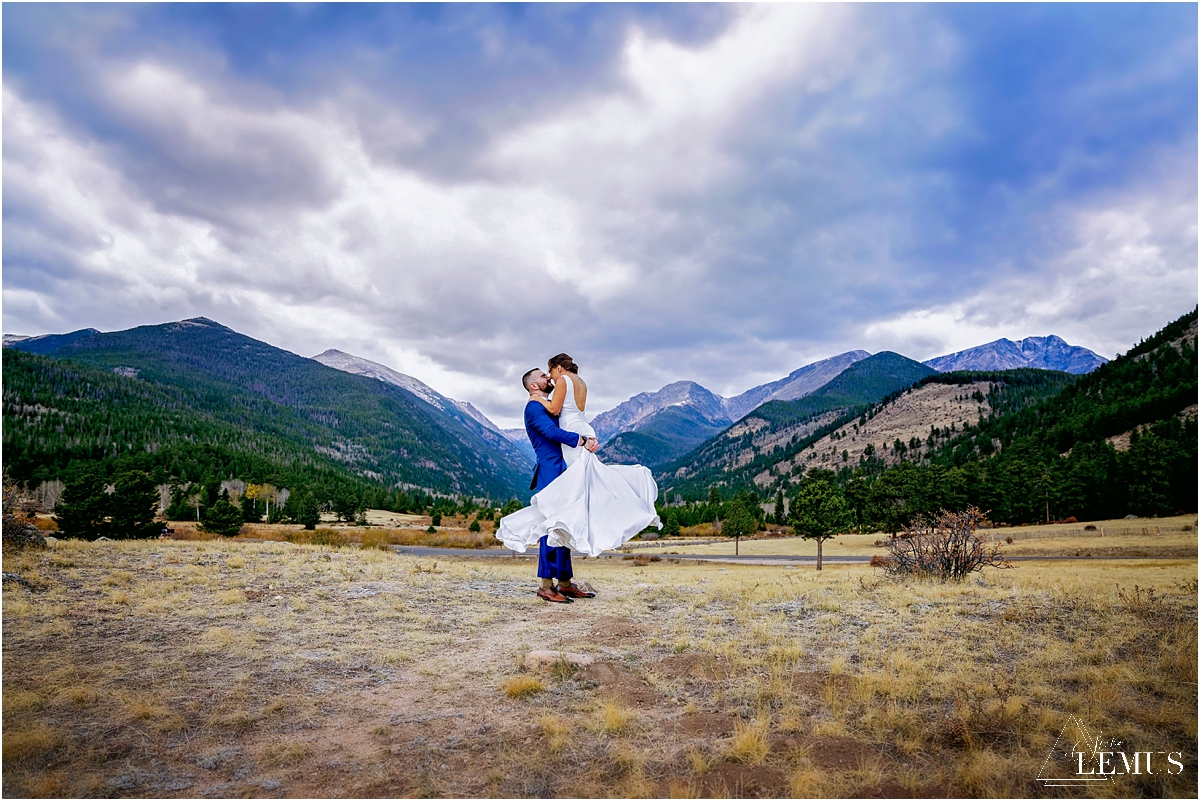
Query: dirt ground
x=232 y=669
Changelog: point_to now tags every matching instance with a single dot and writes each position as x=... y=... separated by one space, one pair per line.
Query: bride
x=592 y=507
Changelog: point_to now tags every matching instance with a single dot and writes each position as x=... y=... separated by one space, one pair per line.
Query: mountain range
x=297 y=409
x=409 y=433
x=779 y=429
x=654 y=428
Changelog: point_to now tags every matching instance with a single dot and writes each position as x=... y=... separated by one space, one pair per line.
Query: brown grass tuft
x=613 y=719
x=29 y=745
x=555 y=729
x=749 y=744
x=523 y=686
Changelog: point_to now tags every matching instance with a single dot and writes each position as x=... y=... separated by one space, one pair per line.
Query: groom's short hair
x=525 y=379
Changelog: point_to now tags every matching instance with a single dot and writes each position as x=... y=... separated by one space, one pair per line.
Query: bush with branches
x=946 y=547
x=19 y=530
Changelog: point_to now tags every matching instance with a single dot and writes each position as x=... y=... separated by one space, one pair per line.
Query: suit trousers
x=553 y=563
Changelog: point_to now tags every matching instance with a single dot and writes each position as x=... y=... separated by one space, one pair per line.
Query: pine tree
x=819 y=510
x=133 y=506
x=738 y=521
x=84 y=506
x=252 y=510
x=310 y=512
x=223 y=518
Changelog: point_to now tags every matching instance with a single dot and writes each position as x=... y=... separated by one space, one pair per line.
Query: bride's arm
x=545 y=403
x=559 y=396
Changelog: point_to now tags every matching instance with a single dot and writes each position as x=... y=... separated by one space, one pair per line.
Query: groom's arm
x=537 y=418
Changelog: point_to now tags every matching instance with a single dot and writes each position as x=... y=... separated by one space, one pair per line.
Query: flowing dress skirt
x=592 y=507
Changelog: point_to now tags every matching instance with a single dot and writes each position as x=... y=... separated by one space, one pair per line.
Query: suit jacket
x=546 y=437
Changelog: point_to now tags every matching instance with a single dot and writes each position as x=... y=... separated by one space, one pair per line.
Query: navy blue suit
x=546 y=438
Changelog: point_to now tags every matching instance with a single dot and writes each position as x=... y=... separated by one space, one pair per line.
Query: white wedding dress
x=592 y=507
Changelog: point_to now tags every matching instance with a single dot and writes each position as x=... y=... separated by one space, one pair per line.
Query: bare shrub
x=19 y=530
x=947 y=547
x=1145 y=604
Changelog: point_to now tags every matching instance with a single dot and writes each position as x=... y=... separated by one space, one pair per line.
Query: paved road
x=754 y=559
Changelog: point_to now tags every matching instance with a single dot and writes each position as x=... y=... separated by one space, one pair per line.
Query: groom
x=547 y=439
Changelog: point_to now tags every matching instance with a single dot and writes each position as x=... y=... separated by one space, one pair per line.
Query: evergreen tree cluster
x=86 y=427
x=88 y=510
x=714 y=508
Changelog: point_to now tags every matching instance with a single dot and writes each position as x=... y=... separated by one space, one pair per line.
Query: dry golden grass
x=523 y=686
x=556 y=730
x=26 y=744
x=1169 y=536
x=387 y=528
x=356 y=672
x=749 y=742
x=613 y=719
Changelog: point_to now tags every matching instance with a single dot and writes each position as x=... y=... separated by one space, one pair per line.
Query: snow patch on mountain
x=348 y=363
x=640 y=408
x=1042 y=353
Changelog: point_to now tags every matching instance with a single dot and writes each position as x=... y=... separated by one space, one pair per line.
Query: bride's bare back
x=554 y=404
x=580 y=391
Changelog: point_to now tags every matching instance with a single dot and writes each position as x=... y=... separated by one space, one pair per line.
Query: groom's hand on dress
x=591 y=443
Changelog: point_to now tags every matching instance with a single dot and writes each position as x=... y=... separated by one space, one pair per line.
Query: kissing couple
x=579 y=503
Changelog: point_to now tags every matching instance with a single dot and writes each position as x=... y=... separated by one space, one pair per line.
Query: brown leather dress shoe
x=551 y=595
x=571 y=591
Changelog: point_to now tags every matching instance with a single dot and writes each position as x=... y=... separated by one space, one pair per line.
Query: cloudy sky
x=715 y=193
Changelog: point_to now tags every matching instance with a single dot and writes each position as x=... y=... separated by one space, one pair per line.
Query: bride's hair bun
x=564 y=361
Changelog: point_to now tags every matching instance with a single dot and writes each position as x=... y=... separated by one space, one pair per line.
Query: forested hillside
x=199 y=382
x=57 y=413
x=1120 y=440
x=779 y=430
x=911 y=424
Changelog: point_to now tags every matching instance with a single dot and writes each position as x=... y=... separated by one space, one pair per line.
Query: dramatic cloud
x=713 y=193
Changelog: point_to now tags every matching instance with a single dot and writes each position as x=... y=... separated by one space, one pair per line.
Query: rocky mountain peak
x=629 y=414
x=1043 y=353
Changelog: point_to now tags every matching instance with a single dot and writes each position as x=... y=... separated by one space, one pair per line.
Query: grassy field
x=387 y=528
x=1168 y=536
x=226 y=668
